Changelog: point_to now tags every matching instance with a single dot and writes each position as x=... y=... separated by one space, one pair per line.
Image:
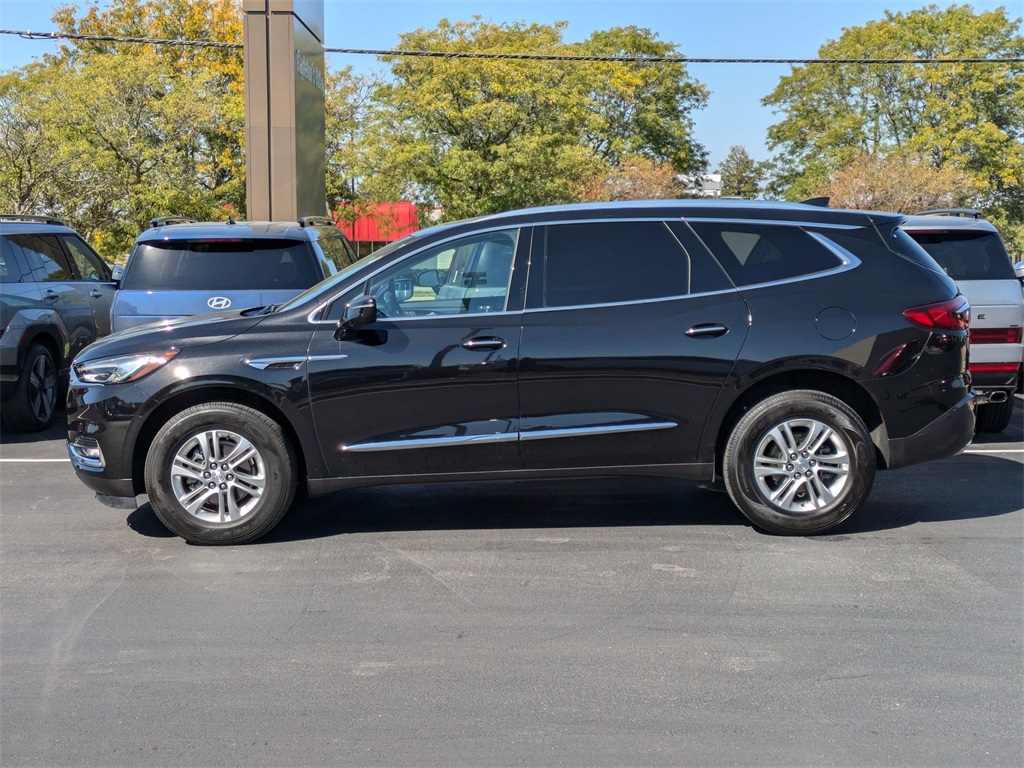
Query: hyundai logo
x=219 y=302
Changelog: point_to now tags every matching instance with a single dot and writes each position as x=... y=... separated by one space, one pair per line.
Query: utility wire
x=518 y=56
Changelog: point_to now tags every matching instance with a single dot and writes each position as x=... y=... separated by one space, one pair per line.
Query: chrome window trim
x=771 y=222
x=608 y=429
x=627 y=303
x=430 y=442
x=518 y=227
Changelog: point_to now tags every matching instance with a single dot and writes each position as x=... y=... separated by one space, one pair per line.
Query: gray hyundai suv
x=180 y=267
x=55 y=297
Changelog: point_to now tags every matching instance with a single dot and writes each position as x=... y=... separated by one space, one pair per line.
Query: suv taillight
x=995 y=335
x=950 y=315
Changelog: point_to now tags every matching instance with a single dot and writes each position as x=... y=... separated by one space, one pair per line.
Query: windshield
x=221 y=264
x=967 y=255
x=326 y=287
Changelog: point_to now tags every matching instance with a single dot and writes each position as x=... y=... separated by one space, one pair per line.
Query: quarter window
x=610 y=263
x=756 y=253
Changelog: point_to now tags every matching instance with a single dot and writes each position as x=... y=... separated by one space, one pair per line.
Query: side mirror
x=116 y=272
x=359 y=312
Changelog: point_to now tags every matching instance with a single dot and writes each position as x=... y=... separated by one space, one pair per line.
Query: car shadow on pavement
x=971 y=487
x=58 y=430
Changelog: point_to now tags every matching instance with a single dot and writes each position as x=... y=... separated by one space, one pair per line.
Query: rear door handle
x=484 y=342
x=707 y=329
x=50 y=296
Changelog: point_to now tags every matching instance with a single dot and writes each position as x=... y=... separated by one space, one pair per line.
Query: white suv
x=971 y=251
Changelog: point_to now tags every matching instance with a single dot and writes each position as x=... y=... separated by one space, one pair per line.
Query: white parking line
x=33 y=461
x=995 y=450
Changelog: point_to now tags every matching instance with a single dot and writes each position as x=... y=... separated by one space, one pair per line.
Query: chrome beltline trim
x=503 y=437
x=430 y=442
x=610 y=429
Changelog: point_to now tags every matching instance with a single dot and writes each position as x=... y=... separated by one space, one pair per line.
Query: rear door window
x=221 y=264
x=47 y=261
x=967 y=255
x=764 y=253
x=609 y=263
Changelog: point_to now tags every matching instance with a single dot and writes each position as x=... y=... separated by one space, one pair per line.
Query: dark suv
x=55 y=295
x=180 y=267
x=787 y=349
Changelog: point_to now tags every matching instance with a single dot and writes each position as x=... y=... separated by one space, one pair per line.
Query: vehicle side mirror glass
x=116 y=272
x=429 y=278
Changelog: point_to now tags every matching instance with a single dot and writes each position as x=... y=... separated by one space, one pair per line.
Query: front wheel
x=220 y=473
x=799 y=462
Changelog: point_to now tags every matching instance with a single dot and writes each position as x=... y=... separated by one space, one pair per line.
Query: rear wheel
x=220 y=473
x=34 y=402
x=799 y=462
x=994 y=417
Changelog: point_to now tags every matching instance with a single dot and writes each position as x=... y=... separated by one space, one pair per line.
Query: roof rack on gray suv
x=31 y=219
x=163 y=221
x=967 y=213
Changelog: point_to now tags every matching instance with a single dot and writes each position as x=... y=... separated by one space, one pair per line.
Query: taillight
x=995 y=335
x=950 y=315
x=994 y=367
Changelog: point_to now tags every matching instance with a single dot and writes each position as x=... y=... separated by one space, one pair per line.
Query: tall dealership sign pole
x=284 y=109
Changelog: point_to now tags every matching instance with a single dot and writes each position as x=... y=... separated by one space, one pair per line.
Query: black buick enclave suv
x=785 y=349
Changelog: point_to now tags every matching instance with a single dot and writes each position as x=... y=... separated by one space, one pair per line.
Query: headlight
x=118 y=370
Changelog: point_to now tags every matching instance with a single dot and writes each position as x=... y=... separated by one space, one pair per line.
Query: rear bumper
x=947 y=436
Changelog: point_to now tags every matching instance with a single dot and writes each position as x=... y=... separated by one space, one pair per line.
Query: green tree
x=478 y=136
x=108 y=135
x=968 y=117
x=742 y=176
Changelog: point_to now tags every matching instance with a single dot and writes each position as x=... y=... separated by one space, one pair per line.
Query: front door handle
x=51 y=296
x=95 y=294
x=484 y=342
x=707 y=329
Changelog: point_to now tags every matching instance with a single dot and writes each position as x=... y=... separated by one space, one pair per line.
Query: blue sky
x=700 y=28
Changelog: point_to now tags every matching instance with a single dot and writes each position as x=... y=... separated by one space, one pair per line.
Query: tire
x=220 y=473
x=819 y=500
x=34 y=402
x=994 y=417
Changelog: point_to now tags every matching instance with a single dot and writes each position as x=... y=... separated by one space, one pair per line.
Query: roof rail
x=34 y=219
x=317 y=221
x=820 y=202
x=967 y=213
x=163 y=221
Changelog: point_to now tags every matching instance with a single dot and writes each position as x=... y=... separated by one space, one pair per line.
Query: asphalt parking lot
x=600 y=622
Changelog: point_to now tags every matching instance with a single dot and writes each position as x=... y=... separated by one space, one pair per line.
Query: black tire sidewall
x=264 y=434
x=994 y=417
x=739 y=461
x=19 y=414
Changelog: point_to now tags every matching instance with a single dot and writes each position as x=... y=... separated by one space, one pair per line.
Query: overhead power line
x=518 y=56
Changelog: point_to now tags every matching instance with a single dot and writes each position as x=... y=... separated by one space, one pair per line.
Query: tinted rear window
x=967 y=255
x=193 y=265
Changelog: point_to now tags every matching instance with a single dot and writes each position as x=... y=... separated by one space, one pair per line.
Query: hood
x=184 y=332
